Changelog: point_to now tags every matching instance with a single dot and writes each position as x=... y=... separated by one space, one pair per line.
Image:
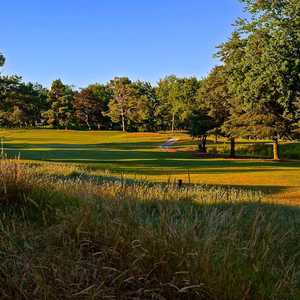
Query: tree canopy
x=61 y=109
x=262 y=65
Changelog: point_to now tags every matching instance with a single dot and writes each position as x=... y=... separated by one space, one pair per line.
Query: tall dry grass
x=14 y=182
x=82 y=237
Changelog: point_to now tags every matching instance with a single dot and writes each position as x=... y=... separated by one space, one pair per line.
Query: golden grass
x=77 y=236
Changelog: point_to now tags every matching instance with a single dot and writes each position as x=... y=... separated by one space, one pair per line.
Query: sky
x=87 y=41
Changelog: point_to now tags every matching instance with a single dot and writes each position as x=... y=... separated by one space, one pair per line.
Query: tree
x=200 y=125
x=189 y=88
x=61 y=102
x=176 y=99
x=30 y=102
x=122 y=106
x=214 y=98
x=20 y=103
x=144 y=115
x=262 y=64
x=91 y=105
x=168 y=92
x=9 y=86
x=104 y=95
x=2 y=59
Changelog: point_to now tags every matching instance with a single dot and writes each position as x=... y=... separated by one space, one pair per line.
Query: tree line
x=254 y=92
x=120 y=104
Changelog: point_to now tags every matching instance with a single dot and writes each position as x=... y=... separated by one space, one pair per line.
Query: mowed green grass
x=138 y=155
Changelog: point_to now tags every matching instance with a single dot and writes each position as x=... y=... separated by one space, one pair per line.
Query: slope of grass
x=65 y=234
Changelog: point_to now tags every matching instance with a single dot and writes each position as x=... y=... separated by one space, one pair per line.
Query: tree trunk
x=216 y=138
x=87 y=122
x=232 y=147
x=173 y=121
x=202 y=144
x=276 y=155
x=123 y=119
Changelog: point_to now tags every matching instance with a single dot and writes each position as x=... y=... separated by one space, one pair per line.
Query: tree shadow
x=136 y=158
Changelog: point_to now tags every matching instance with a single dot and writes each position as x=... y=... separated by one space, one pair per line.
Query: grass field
x=138 y=155
x=99 y=215
x=67 y=235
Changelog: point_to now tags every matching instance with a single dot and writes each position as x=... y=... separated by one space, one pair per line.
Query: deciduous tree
x=90 y=107
x=214 y=98
x=200 y=125
x=123 y=106
x=176 y=98
x=263 y=66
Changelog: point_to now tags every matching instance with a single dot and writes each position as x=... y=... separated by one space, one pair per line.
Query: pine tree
x=61 y=101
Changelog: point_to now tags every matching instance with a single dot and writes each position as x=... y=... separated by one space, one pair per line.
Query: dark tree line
x=254 y=92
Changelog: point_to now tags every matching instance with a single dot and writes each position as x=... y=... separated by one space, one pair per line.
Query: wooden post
x=180 y=183
x=189 y=177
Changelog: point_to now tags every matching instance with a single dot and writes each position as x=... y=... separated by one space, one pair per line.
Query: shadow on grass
x=124 y=180
x=111 y=146
x=135 y=155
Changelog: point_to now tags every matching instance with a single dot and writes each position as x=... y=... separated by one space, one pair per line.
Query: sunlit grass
x=138 y=155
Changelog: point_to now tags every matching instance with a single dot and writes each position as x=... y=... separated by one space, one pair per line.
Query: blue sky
x=86 y=41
